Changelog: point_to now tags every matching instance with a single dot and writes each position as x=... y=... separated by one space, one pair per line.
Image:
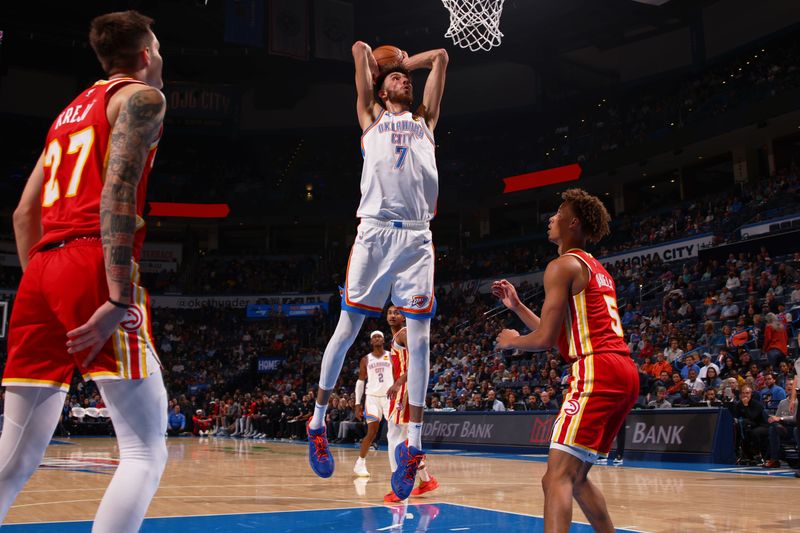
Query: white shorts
x=377 y=407
x=391 y=258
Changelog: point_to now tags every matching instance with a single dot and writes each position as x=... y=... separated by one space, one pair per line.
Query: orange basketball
x=388 y=56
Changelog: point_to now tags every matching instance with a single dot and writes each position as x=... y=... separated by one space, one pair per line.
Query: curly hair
x=590 y=211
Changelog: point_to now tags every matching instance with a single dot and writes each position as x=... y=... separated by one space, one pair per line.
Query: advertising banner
x=288 y=310
x=269 y=365
x=681 y=431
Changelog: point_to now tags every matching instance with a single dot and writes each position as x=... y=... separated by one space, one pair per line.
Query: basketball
x=388 y=56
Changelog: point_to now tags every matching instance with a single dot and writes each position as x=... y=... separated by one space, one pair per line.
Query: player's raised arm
x=28 y=214
x=366 y=72
x=436 y=61
x=504 y=291
x=559 y=278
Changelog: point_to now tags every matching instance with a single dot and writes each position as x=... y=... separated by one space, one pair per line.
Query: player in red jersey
x=398 y=403
x=580 y=315
x=79 y=232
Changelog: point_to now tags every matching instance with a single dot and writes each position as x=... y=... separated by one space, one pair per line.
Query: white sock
x=415 y=435
x=318 y=419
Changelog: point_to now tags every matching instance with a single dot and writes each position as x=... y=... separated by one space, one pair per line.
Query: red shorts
x=60 y=290
x=603 y=390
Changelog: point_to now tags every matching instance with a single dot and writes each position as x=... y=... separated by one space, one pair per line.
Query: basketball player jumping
x=580 y=315
x=376 y=369
x=78 y=229
x=398 y=407
x=392 y=253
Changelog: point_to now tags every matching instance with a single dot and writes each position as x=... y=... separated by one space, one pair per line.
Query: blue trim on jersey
x=421 y=316
x=358 y=310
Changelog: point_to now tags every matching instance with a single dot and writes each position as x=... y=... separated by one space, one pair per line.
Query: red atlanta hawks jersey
x=75 y=158
x=592 y=324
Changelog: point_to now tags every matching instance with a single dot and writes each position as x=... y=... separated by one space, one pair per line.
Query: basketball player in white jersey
x=376 y=369
x=393 y=252
x=398 y=406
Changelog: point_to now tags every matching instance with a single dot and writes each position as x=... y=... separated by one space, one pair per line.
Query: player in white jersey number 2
x=376 y=369
x=392 y=253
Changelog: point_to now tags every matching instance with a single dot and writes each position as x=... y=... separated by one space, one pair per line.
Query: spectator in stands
x=689 y=364
x=661 y=365
x=776 y=340
x=710 y=398
x=674 y=390
x=707 y=364
x=784 y=374
x=176 y=422
x=492 y=403
x=696 y=385
x=730 y=391
x=781 y=426
x=753 y=424
x=771 y=394
x=713 y=310
x=711 y=380
x=661 y=400
x=730 y=310
x=733 y=281
x=683 y=398
x=794 y=298
x=350 y=428
x=673 y=353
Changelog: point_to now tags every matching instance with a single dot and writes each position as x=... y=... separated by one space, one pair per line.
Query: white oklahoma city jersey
x=399 y=180
x=379 y=374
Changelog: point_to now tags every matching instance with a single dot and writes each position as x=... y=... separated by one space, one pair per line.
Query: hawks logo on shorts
x=571 y=407
x=133 y=319
x=419 y=301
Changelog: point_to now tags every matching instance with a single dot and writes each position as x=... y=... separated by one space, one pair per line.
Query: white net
x=475 y=24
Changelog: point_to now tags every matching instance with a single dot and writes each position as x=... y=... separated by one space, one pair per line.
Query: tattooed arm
x=135 y=129
x=140 y=115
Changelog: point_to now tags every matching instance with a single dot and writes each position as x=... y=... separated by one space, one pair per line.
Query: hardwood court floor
x=226 y=476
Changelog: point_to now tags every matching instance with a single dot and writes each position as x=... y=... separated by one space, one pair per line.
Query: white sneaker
x=360 y=469
x=601 y=461
x=618 y=461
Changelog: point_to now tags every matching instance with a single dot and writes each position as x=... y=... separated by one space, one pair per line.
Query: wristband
x=118 y=304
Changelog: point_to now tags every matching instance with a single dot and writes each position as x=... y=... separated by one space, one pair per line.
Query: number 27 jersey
x=75 y=160
x=592 y=324
x=399 y=180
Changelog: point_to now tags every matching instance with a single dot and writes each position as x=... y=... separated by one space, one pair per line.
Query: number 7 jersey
x=75 y=159
x=399 y=180
x=592 y=324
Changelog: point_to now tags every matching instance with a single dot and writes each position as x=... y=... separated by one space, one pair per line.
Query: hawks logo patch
x=419 y=301
x=133 y=319
x=571 y=407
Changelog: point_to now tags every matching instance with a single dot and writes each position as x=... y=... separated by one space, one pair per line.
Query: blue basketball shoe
x=319 y=455
x=408 y=461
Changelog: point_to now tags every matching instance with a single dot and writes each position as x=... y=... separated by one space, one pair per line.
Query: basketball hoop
x=475 y=24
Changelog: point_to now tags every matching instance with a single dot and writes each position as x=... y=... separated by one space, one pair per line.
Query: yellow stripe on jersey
x=588 y=387
x=573 y=390
x=570 y=339
x=583 y=323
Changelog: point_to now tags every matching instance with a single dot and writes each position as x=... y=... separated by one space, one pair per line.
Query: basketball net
x=475 y=24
